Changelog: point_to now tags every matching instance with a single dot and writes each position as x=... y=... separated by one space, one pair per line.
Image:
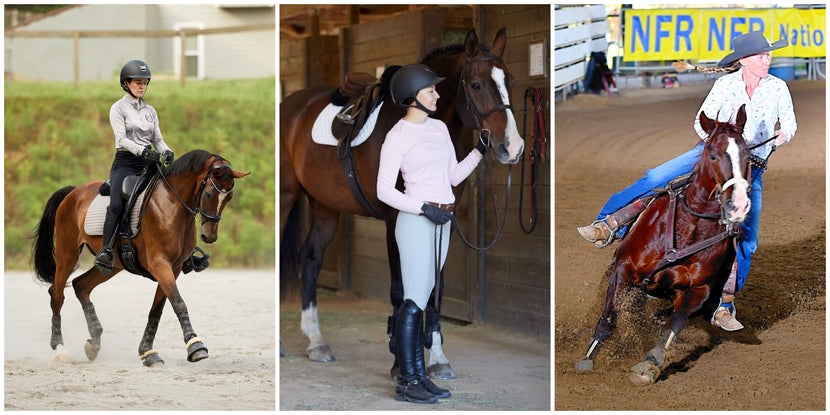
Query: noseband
x=208 y=177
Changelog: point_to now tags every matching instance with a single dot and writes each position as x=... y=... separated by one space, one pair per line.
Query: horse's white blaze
x=513 y=141
x=436 y=353
x=311 y=327
x=221 y=204
x=739 y=196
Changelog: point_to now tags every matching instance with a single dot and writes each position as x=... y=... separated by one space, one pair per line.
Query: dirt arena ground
x=496 y=369
x=233 y=311
x=778 y=361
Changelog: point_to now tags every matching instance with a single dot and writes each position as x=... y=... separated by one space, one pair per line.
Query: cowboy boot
x=104 y=259
x=724 y=316
x=602 y=231
x=410 y=355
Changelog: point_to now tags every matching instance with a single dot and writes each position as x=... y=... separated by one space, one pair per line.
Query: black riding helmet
x=134 y=69
x=410 y=79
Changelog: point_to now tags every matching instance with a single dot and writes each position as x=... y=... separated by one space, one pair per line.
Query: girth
x=348 y=123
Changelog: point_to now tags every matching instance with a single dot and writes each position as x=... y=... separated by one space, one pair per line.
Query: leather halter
x=208 y=177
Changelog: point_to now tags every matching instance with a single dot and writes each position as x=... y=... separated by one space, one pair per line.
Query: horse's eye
x=476 y=86
x=713 y=157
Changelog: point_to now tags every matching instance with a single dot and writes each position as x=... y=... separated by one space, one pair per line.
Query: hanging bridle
x=208 y=177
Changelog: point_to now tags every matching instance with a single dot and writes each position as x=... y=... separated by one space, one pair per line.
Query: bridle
x=207 y=178
x=478 y=119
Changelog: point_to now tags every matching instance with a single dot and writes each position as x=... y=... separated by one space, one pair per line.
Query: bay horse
x=197 y=183
x=475 y=94
x=681 y=248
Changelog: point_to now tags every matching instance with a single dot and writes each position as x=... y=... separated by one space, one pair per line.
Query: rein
x=499 y=226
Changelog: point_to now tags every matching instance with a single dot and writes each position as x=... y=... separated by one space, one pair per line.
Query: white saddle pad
x=321 y=131
x=97 y=213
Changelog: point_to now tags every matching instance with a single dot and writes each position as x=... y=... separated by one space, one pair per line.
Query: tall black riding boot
x=104 y=259
x=410 y=354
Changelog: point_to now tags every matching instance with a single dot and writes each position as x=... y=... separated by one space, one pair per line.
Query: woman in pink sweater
x=420 y=149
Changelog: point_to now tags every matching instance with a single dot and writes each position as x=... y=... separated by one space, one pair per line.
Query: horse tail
x=43 y=249
x=290 y=251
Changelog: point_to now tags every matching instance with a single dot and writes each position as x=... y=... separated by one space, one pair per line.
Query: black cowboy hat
x=750 y=44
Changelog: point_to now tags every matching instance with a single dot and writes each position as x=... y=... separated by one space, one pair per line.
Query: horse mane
x=191 y=161
x=449 y=50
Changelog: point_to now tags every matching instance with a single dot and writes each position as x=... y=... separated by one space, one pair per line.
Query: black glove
x=436 y=215
x=481 y=147
x=151 y=155
x=167 y=157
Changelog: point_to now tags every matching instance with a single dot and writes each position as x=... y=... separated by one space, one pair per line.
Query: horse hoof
x=644 y=373
x=61 y=356
x=151 y=359
x=584 y=365
x=320 y=354
x=196 y=350
x=441 y=371
x=91 y=349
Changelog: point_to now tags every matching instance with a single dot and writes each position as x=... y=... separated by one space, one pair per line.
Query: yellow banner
x=706 y=34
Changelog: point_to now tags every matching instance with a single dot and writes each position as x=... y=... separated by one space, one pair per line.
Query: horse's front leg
x=196 y=350
x=149 y=356
x=323 y=228
x=438 y=365
x=685 y=303
x=606 y=323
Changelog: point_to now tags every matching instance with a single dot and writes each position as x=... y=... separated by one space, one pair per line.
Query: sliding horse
x=198 y=183
x=681 y=248
x=475 y=94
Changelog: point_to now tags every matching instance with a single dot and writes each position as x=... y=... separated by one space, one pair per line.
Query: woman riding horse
x=768 y=101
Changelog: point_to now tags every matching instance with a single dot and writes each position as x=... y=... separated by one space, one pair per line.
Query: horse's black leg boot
x=104 y=259
x=410 y=353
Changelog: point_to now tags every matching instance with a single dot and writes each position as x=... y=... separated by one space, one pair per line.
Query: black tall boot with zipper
x=105 y=258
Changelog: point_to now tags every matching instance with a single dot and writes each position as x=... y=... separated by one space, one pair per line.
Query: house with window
x=92 y=42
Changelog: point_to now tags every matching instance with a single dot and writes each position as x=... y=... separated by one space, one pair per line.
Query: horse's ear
x=500 y=42
x=740 y=119
x=239 y=174
x=471 y=43
x=706 y=123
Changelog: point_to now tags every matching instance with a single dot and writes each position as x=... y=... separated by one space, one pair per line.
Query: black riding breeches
x=125 y=164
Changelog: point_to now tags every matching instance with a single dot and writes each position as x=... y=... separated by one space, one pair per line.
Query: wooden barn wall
x=308 y=62
x=518 y=272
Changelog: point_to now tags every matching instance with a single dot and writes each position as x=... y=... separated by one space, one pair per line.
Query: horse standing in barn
x=475 y=94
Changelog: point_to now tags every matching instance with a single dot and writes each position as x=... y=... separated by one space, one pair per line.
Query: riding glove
x=481 y=147
x=436 y=215
x=151 y=155
x=167 y=157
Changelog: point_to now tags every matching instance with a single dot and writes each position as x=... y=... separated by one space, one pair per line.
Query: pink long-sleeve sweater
x=425 y=156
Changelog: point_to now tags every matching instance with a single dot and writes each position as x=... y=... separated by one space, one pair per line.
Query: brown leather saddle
x=360 y=94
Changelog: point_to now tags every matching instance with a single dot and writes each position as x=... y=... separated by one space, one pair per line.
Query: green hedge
x=58 y=135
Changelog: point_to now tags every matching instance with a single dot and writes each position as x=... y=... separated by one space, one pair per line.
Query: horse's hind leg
x=323 y=227
x=149 y=356
x=83 y=286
